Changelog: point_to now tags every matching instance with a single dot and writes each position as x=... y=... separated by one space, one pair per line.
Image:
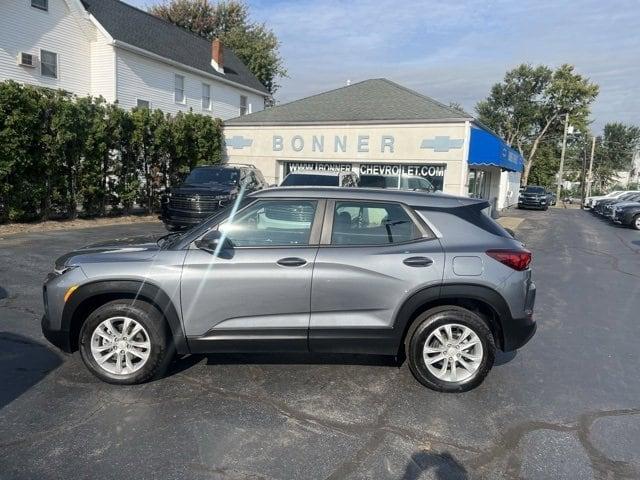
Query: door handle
x=291 y=262
x=417 y=261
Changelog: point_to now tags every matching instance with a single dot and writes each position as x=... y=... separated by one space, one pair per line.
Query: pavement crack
x=66 y=427
x=509 y=442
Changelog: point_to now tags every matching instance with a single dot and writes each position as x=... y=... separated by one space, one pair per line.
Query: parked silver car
x=426 y=276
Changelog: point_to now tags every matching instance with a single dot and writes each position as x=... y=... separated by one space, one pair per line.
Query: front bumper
x=624 y=217
x=183 y=218
x=58 y=338
x=525 y=203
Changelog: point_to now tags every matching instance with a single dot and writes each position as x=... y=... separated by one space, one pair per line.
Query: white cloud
x=455 y=51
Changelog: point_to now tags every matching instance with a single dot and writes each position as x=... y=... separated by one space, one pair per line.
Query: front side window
x=372 y=223
x=271 y=223
x=206 y=96
x=178 y=92
x=243 y=105
x=40 y=4
x=140 y=103
x=48 y=64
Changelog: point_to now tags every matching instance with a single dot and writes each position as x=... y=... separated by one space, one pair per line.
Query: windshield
x=379 y=181
x=294 y=179
x=203 y=176
x=534 y=190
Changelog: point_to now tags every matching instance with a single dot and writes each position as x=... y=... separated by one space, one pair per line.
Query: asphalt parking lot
x=566 y=406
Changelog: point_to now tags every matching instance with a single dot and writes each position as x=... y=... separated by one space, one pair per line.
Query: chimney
x=217 y=61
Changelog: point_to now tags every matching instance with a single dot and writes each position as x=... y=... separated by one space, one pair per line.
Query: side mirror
x=209 y=243
x=510 y=232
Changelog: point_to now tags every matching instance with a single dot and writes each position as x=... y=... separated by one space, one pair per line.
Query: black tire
x=427 y=323
x=635 y=222
x=545 y=208
x=162 y=348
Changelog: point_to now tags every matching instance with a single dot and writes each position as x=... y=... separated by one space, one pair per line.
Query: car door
x=373 y=256
x=254 y=293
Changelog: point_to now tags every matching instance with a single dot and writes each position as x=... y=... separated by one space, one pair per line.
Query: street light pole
x=564 y=147
x=584 y=175
x=590 y=175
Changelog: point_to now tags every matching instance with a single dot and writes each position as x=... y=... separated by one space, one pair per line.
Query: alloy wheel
x=120 y=345
x=453 y=352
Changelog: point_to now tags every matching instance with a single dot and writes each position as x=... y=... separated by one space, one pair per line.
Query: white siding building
x=109 y=48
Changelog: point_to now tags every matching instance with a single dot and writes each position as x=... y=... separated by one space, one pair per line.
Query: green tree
x=67 y=142
x=614 y=152
x=254 y=43
x=529 y=106
x=22 y=122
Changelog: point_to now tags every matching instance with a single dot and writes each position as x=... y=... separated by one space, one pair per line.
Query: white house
x=109 y=48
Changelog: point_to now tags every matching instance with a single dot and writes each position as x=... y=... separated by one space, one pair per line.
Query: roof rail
x=240 y=164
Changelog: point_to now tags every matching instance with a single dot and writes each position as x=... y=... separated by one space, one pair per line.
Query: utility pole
x=590 y=176
x=564 y=147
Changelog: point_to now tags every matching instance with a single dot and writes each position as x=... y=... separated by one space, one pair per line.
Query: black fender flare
x=439 y=294
x=135 y=289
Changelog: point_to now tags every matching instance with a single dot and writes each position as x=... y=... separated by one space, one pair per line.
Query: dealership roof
x=140 y=29
x=376 y=100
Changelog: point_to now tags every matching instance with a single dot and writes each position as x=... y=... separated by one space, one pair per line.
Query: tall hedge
x=61 y=154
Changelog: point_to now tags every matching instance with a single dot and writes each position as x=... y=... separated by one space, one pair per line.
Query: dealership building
x=377 y=127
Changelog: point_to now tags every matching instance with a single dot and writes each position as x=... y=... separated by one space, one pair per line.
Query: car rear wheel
x=450 y=349
x=635 y=223
x=125 y=342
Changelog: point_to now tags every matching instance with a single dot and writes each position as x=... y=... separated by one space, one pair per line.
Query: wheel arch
x=484 y=301
x=92 y=295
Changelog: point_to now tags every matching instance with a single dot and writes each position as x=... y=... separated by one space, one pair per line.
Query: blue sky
x=455 y=50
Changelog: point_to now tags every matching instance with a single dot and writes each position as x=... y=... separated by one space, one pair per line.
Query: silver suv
x=426 y=277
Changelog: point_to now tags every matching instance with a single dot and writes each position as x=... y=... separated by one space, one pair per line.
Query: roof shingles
x=140 y=29
x=374 y=100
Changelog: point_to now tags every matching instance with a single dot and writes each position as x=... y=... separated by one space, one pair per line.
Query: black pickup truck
x=205 y=190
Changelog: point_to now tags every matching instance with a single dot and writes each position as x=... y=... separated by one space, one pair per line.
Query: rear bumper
x=518 y=331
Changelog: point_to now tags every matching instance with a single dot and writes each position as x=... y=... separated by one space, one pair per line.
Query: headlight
x=62 y=269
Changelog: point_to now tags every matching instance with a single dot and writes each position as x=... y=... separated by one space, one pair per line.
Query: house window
x=178 y=89
x=206 y=96
x=243 y=105
x=40 y=4
x=143 y=103
x=48 y=64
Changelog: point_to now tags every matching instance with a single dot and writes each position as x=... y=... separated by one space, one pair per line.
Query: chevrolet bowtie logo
x=442 y=144
x=238 y=142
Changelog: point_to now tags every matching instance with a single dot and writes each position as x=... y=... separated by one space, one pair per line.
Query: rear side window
x=372 y=223
x=477 y=214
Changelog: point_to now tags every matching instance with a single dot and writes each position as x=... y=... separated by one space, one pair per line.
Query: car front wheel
x=450 y=349
x=125 y=342
x=635 y=223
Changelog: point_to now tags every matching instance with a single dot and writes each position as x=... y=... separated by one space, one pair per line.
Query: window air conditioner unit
x=27 y=60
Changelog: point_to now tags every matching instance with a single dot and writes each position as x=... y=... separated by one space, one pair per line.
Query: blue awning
x=488 y=150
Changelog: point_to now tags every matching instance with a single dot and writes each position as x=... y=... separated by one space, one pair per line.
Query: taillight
x=516 y=259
